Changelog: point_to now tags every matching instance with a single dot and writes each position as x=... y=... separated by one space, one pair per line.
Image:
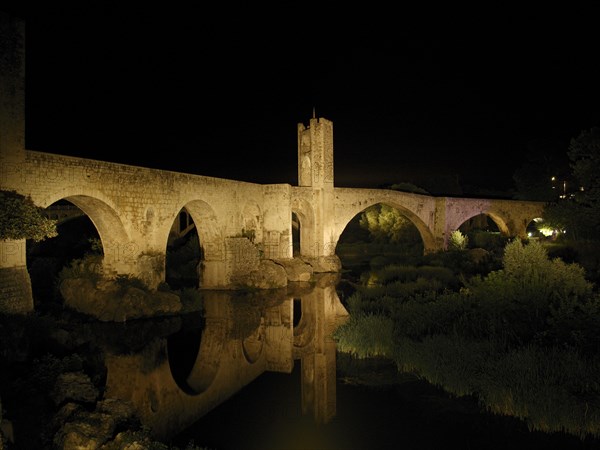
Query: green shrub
x=407 y=290
x=182 y=260
x=447 y=361
x=366 y=335
x=365 y=301
x=395 y=272
x=574 y=323
x=529 y=276
x=459 y=262
x=443 y=274
x=20 y=218
x=427 y=316
x=524 y=338
x=458 y=241
x=379 y=261
x=90 y=267
x=125 y=282
x=552 y=389
x=163 y=286
x=354 y=303
x=488 y=240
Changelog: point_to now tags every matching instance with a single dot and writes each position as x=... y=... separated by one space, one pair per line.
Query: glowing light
x=546 y=231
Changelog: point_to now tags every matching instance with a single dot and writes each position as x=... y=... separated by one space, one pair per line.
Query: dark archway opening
x=378 y=236
x=297 y=311
x=182 y=350
x=184 y=253
x=482 y=232
x=77 y=238
x=295 y=235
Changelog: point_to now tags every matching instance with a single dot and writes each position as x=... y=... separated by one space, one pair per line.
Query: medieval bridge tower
x=242 y=227
x=314 y=200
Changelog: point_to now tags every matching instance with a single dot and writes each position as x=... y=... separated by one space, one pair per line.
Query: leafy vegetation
x=579 y=211
x=523 y=339
x=89 y=266
x=379 y=236
x=20 y=218
x=388 y=224
x=370 y=336
x=183 y=257
x=458 y=241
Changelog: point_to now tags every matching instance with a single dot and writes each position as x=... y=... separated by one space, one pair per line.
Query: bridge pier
x=15 y=284
x=212 y=274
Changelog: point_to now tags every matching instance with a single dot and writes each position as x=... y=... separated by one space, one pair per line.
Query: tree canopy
x=579 y=212
x=584 y=155
x=20 y=218
x=387 y=224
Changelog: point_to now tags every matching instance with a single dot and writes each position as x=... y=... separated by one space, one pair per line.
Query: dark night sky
x=412 y=96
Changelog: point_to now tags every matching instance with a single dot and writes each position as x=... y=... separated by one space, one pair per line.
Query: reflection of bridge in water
x=243 y=336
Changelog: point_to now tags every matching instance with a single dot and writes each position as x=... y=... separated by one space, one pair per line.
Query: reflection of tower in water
x=314 y=346
x=239 y=337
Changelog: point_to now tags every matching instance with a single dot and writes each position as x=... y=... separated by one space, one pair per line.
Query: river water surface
x=261 y=371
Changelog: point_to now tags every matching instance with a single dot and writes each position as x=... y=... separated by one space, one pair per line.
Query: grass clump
x=366 y=336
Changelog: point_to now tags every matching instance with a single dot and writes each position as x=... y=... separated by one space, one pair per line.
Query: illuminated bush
x=527 y=271
x=458 y=241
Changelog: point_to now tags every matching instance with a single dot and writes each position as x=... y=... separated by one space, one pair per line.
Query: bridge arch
x=133 y=208
x=253 y=344
x=210 y=237
x=305 y=330
x=209 y=356
x=62 y=211
x=496 y=219
x=429 y=242
x=510 y=216
x=118 y=248
x=305 y=213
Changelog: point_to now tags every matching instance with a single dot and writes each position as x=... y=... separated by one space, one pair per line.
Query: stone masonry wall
x=15 y=291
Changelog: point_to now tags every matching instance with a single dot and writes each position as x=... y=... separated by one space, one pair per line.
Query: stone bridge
x=240 y=225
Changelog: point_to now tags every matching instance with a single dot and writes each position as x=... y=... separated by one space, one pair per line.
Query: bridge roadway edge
x=134 y=207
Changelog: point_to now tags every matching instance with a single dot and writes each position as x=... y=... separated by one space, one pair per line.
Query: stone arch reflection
x=297 y=312
x=242 y=337
x=253 y=344
x=182 y=350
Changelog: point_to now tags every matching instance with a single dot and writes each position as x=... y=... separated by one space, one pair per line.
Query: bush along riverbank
x=523 y=339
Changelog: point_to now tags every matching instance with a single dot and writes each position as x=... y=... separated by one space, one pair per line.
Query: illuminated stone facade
x=134 y=208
